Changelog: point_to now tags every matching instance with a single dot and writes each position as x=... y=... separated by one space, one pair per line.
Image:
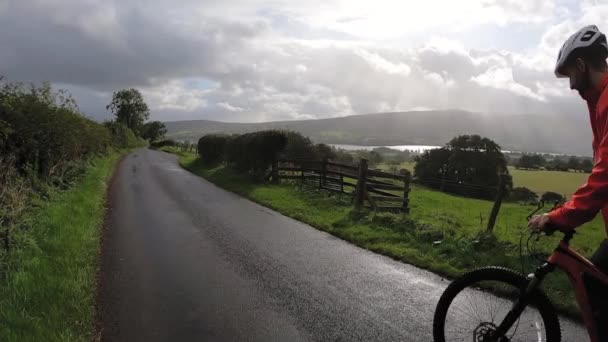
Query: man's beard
x=583 y=83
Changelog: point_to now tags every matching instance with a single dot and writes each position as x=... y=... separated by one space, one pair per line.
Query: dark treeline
x=254 y=152
x=535 y=161
x=46 y=142
x=468 y=165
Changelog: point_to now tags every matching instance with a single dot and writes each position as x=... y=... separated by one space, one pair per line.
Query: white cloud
x=227 y=106
x=174 y=95
x=502 y=78
x=386 y=19
x=280 y=59
x=382 y=64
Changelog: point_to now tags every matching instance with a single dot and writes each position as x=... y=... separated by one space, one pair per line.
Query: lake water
x=418 y=148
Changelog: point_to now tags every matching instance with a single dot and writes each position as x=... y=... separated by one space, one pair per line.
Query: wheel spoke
x=474 y=313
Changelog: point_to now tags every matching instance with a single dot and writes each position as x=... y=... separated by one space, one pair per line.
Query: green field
x=564 y=183
x=539 y=181
x=435 y=216
x=48 y=293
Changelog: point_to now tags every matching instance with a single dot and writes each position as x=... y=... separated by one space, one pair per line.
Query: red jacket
x=593 y=195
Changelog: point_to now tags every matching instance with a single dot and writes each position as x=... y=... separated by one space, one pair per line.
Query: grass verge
x=412 y=239
x=48 y=293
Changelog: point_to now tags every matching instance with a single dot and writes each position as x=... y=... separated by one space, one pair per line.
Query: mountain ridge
x=566 y=134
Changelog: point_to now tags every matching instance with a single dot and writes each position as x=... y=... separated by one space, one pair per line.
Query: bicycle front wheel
x=473 y=306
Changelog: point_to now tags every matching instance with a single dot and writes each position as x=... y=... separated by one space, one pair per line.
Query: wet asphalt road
x=183 y=260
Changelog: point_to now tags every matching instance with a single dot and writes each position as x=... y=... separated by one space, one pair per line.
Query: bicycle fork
x=535 y=279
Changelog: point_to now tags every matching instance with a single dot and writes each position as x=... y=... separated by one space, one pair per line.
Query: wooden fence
x=186 y=147
x=374 y=189
x=371 y=188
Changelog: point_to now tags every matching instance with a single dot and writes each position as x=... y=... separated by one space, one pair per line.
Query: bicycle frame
x=575 y=266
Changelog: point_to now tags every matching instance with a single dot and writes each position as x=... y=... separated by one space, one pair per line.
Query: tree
x=324 y=152
x=552 y=197
x=129 y=108
x=573 y=163
x=468 y=165
x=524 y=162
x=298 y=146
x=153 y=130
x=538 y=161
x=531 y=161
x=122 y=136
x=557 y=164
x=586 y=165
x=375 y=158
x=344 y=157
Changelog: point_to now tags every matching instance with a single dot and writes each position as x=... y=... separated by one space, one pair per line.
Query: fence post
x=361 y=186
x=500 y=194
x=323 y=173
x=275 y=171
x=406 y=190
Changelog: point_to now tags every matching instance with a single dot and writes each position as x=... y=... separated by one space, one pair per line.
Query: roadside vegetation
x=48 y=287
x=55 y=164
x=444 y=232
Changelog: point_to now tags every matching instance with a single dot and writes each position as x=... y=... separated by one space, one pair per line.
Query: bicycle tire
x=496 y=274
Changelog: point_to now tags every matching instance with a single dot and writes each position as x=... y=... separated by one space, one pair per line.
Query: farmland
x=539 y=181
x=457 y=222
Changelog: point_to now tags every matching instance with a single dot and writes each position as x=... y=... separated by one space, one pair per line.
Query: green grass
x=435 y=216
x=539 y=181
x=564 y=183
x=49 y=291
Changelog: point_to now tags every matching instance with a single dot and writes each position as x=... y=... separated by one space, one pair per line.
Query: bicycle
x=527 y=313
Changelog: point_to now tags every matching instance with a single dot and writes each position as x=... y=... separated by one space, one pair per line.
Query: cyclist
x=582 y=59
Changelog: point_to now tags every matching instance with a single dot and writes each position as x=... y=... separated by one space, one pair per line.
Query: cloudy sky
x=250 y=60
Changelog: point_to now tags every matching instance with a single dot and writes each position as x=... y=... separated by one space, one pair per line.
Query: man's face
x=576 y=74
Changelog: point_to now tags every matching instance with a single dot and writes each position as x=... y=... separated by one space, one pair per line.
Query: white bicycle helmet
x=586 y=37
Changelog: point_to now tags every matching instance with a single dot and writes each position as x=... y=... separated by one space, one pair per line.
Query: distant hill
x=530 y=133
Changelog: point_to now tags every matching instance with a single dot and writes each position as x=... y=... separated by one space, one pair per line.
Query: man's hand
x=538 y=222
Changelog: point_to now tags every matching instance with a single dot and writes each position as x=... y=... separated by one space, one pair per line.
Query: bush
x=162 y=143
x=343 y=157
x=324 y=152
x=552 y=197
x=212 y=148
x=298 y=147
x=44 y=131
x=122 y=136
x=14 y=193
x=44 y=142
x=523 y=194
x=255 y=152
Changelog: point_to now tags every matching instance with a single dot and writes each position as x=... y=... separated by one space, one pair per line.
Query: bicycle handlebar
x=549 y=229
